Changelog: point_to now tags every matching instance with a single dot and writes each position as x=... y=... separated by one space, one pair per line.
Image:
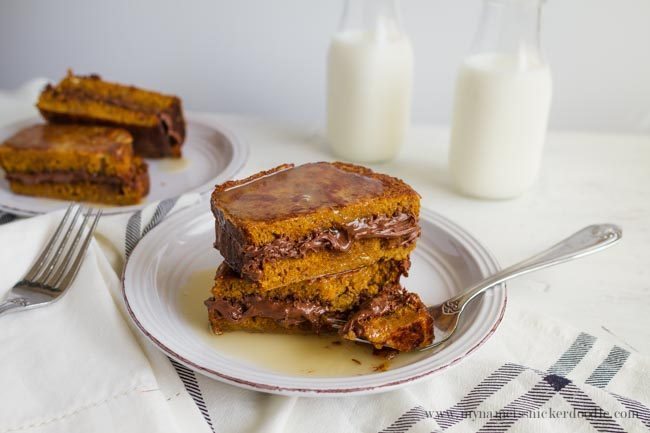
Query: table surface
x=586 y=178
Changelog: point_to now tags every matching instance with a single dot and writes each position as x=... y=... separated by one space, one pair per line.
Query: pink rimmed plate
x=170 y=271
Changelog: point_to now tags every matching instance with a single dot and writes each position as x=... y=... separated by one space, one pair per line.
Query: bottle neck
x=381 y=18
x=510 y=27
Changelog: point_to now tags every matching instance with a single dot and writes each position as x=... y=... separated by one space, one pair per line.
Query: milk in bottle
x=501 y=104
x=369 y=80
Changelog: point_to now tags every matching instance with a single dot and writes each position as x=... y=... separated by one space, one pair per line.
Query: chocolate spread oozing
x=162 y=138
x=402 y=228
x=409 y=325
x=386 y=302
x=290 y=313
x=77 y=176
x=285 y=311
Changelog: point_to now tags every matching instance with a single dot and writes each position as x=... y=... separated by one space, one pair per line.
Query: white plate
x=211 y=155
x=155 y=279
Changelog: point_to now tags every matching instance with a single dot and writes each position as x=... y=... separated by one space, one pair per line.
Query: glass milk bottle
x=501 y=104
x=369 y=80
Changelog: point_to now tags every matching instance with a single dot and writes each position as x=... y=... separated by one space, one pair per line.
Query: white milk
x=499 y=124
x=369 y=94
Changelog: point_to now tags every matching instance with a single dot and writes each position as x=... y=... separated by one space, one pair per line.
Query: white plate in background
x=211 y=155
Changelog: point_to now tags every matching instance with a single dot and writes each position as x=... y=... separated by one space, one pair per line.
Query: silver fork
x=446 y=315
x=57 y=266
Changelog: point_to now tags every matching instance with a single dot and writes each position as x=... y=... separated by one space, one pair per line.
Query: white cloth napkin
x=79 y=366
x=75 y=366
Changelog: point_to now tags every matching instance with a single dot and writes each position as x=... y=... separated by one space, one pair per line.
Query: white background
x=267 y=58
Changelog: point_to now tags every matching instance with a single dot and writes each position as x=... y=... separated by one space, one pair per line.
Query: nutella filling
x=402 y=227
x=387 y=302
x=74 y=176
x=290 y=312
x=286 y=312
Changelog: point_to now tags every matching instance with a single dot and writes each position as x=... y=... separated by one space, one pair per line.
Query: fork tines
x=58 y=264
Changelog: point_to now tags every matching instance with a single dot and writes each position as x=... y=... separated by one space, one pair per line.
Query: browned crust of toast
x=393 y=188
x=155 y=120
x=239 y=182
x=44 y=147
x=236 y=235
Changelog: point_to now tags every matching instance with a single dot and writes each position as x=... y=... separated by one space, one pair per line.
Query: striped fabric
x=6 y=217
x=642 y=412
x=552 y=383
x=192 y=386
x=608 y=368
x=133 y=233
x=495 y=382
x=573 y=355
x=481 y=392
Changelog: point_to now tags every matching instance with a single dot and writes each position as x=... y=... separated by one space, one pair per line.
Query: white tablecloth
x=80 y=366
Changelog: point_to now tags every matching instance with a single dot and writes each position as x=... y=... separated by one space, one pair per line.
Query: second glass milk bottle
x=501 y=104
x=369 y=80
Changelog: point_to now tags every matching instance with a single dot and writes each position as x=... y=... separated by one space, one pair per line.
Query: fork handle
x=13 y=303
x=586 y=241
